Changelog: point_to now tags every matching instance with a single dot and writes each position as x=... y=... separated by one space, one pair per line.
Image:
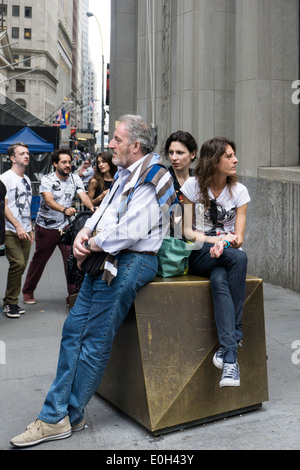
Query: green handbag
x=173 y=257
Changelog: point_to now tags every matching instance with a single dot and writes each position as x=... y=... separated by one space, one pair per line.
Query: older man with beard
x=129 y=229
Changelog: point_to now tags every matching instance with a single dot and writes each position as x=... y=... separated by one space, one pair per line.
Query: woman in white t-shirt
x=215 y=207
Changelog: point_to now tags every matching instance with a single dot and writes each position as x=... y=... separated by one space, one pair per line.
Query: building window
x=21 y=103
x=27 y=61
x=3 y=9
x=28 y=12
x=15 y=10
x=27 y=33
x=16 y=58
x=20 y=86
x=15 y=33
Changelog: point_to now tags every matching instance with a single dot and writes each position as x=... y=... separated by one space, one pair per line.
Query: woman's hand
x=217 y=250
x=219 y=246
x=101 y=196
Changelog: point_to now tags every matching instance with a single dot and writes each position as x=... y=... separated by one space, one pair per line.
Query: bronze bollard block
x=160 y=372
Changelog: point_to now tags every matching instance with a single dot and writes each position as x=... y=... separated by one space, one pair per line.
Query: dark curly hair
x=61 y=151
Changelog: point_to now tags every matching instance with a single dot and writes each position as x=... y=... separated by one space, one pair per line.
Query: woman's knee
x=237 y=257
x=240 y=255
x=218 y=278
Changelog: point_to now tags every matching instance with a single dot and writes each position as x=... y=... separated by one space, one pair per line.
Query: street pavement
x=29 y=348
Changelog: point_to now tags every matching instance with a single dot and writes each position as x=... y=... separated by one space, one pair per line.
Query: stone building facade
x=222 y=67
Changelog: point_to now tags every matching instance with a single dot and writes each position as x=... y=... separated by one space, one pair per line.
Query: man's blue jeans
x=228 y=285
x=88 y=335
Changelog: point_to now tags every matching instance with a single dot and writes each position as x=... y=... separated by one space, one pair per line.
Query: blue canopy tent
x=39 y=163
x=35 y=143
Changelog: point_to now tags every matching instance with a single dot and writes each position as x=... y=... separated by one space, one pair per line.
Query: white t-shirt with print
x=18 y=195
x=63 y=193
x=227 y=205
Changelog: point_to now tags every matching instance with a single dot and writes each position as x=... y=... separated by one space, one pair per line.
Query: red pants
x=46 y=240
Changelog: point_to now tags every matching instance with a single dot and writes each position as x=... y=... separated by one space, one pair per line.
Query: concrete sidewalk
x=31 y=345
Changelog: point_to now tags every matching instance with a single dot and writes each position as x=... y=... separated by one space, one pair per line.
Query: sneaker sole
x=13 y=315
x=56 y=437
x=29 y=302
x=78 y=427
x=230 y=383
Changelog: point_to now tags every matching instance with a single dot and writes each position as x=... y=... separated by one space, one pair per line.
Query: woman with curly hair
x=215 y=215
x=103 y=178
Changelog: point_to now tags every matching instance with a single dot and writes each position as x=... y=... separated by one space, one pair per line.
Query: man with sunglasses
x=18 y=228
x=86 y=172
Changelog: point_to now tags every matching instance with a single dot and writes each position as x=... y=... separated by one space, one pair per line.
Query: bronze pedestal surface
x=160 y=372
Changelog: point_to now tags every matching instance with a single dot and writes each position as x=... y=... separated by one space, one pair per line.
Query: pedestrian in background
x=2 y=218
x=57 y=190
x=103 y=178
x=19 y=235
x=86 y=172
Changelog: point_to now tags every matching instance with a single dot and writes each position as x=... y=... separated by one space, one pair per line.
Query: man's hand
x=79 y=250
x=70 y=211
x=22 y=234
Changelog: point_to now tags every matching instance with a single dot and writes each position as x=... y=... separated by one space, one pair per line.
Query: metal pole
x=102 y=105
x=90 y=14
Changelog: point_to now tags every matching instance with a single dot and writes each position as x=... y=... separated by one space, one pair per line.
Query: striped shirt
x=137 y=216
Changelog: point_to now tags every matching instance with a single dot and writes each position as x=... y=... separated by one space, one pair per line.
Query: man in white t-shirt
x=18 y=229
x=57 y=190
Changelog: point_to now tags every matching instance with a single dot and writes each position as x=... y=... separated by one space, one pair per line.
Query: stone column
x=123 y=65
x=267 y=58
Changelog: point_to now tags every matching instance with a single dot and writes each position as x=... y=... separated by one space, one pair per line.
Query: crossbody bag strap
x=113 y=190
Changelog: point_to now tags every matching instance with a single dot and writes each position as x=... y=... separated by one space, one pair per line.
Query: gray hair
x=138 y=131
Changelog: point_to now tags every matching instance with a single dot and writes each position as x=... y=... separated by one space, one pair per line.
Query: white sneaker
x=218 y=358
x=230 y=375
x=39 y=431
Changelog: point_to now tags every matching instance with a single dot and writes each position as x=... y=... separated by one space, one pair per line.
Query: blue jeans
x=228 y=285
x=88 y=335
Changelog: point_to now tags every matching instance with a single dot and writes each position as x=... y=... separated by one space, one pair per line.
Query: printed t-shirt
x=18 y=195
x=226 y=206
x=63 y=193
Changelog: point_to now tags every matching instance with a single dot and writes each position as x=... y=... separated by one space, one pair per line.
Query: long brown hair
x=107 y=158
x=210 y=154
